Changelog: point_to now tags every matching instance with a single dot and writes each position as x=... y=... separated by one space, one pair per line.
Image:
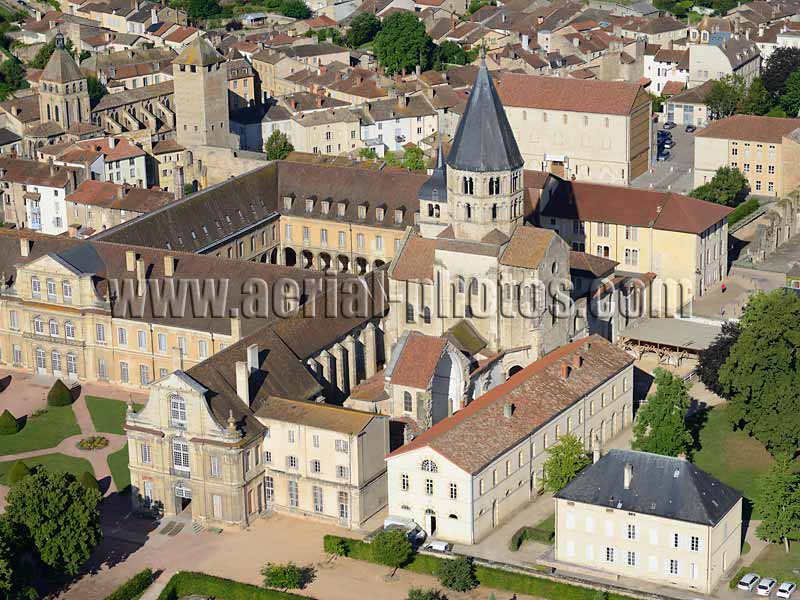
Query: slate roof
x=480 y=432
x=8 y=137
x=199 y=52
x=661 y=486
x=435 y=188
x=61 y=68
x=484 y=140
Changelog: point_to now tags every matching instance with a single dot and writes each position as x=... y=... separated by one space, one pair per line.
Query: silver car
x=765 y=586
x=748 y=582
x=786 y=589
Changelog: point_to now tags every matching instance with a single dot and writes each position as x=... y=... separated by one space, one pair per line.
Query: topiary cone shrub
x=17 y=471
x=8 y=424
x=88 y=481
x=59 y=395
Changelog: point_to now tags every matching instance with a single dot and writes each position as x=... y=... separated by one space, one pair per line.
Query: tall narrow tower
x=484 y=168
x=201 y=96
x=63 y=91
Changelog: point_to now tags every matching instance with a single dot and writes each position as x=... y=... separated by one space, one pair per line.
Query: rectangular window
x=342 y=472
x=342 y=240
x=13 y=320
x=317 y=492
x=294 y=497
x=202 y=349
x=216 y=469
x=344 y=505
x=100 y=332
x=291 y=462
x=315 y=440
x=404 y=482
x=141 y=336
x=145 y=454
x=609 y=555
x=694 y=544
x=676 y=540
x=453 y=491
x=631 y=233
x=631 y=531
x=290 y=436
x=51 y=289
x=144 y=374
x=269 y=488
x=36 y=287
x=124 y=376
x=631 y=560
x=673 y=566
x=631 y=257
x=180 y=455
x=429 y=487
x=341 y=446
x=162 y=342
x=122 y=336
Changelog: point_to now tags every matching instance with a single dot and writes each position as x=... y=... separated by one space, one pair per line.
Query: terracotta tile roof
x=629 y=206
x=26 y=109
x=751 y=128
x=672 y=87
x=372 y=389
x=596 y=265
x=316 y=415
x=558 y=93
x=416 y=260
x=180 y=34
x=417 y=360
x=120 y=197
x=670 y=56
x=321 y=21
x=479 y=433
x=123 y=148
x=527 y=247
x=166 y=146
x=32 y=172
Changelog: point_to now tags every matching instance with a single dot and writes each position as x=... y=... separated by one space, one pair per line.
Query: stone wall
x=779 y=224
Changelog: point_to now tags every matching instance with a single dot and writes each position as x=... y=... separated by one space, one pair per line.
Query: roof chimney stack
x=252 y=358
x=140 y=277
x=130 y=260
x=24 y=247
x=508 y=410
x=577 y=361
x=564 y=370
x=243 y=382
x=628 y=475
x=169 y=266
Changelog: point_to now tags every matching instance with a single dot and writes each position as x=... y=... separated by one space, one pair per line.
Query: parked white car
x=765 y=586
x=786 y=589
x=438 y=546
x=748 y=582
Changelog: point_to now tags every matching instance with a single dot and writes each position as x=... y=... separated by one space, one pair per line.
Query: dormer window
x=398 y=217
x=309 y=205
x=379 y=214
x=362 y=212
x=326 y=206
x=340 y=209
x=287 y=203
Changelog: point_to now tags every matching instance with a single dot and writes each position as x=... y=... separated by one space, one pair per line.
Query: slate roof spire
x=61 y=68
x=484 y=140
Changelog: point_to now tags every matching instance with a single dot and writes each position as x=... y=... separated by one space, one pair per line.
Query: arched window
x=426 y=315
x=72 y=364
x=429 y=466
x=430 y=209
x=409 y=312
x=468 y=209
x=473 y=287
x=41 y=359
x=460 y=281
x=53 y=327
x=55 y=359
x=38 y=325
x=408 y=404
x=436 y=211
x=177 y=408
x=494 y=212
x=69 y=330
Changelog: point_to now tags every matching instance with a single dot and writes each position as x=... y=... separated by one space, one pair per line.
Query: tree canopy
x=448 y=53
x=59 y=516
x=726 y=187
x=711 y=359
x=762 y=370
x=363 y=29
x=296 y=9
x=780 y=65
x=45 y=52
x=778 y=502
x=403 y=43
x=790 y=99
x=725 y=96
x=392 y=548
x=660 y=426
x=458 y=574
x=96 y=89
x=564 y=461
x=278 y=146
x=757 y=100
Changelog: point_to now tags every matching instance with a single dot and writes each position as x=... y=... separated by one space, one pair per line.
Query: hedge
x=530 y=533
x=487 y=576
x=8 y=424
x=134 y=587
x=186 y=583
x=743 y=210
x=59 y=395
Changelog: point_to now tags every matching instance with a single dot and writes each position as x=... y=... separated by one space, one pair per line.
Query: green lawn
x=108 y=415
x=548 y=524
x=44 y=431
x=118 y=463
x=52 y=462
x=731 y=456
x=776 y=563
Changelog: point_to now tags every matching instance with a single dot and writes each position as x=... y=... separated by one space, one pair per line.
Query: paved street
x=675 y=174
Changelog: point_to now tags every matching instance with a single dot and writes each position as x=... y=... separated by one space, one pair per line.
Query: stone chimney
x=112 y=142
x=236 y=326
x=252 y=358
x=169 y=266
x=564 y=370
x=627 y=476
x=243 y=382
x=51 y=165
x=508 y=410
x=121 y=191
x=577 y=361
x=140 y=282
x=130 y=260
x=153 y=15
x=24 y=247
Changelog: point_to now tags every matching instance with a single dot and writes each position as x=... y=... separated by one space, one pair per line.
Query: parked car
x=662 y=156
x=786 y=589
x=748 y=582
x=668 y=144
x=691 y=129
x=438 y=546
x=668 y=125
x=765 y=586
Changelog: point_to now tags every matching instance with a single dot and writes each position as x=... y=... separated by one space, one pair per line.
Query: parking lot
x=676 y=173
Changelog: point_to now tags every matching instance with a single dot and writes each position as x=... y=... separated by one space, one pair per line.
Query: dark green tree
x=367 y=153
x=414 y=159
x=660 y=426
x=8 y=424
x=711 y=359
x=448 y=53
x=392 y=548
x=59 y=516
x=278 y=146
x=363 y=29
x=283 y=577
x=458 y=574
x=45 y=52
x=420 y=594
x=757 y=100
x=778 y=112
x=762 y=370
x=564 y=461
x=725 y=96
x=96 y=89
x=726 y=187
x=296 y=9
x=403 y=43
x=202 y=9
x=88 y=481
x=84 y=55
x=778 y=503
x=780 y=64
x=17 y=472
x=790 y=100
x=59 y=394
x=475 y=6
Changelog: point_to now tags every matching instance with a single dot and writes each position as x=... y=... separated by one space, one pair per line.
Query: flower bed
x=95 y=442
